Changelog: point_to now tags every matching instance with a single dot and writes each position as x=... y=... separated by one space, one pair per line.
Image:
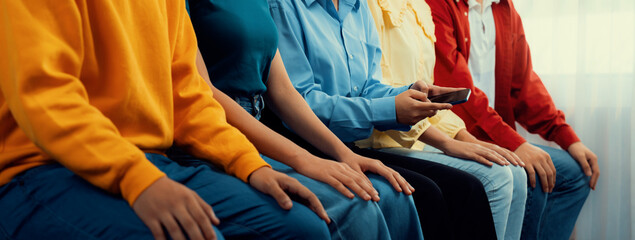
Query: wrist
x=465 y=136
x=573 y=146
x=445 y=144
x=522 y=147
x=343 y=153
x=297 y=159
x=256 y=172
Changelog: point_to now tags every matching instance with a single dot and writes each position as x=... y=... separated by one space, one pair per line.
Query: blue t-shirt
x=238 y=40
x=333 y=60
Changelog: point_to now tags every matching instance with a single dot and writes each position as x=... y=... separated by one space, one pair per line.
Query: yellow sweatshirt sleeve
x=200 y=123
x=41 y=53
x=448 y=122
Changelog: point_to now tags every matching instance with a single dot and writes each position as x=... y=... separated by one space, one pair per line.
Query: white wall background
x=584 y=50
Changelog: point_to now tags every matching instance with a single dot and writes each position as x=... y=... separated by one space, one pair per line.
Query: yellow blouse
x=407 y=38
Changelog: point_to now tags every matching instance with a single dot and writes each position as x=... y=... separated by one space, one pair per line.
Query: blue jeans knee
x=553 y=215
x=498 y=183
x=350 y=218
x=398 y=210
x=302 y=223
x=569 y=174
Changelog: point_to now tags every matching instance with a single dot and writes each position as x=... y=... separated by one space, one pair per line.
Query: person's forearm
x=434 y=137
x=267 y=141
x=289 y=105
x=464 y=135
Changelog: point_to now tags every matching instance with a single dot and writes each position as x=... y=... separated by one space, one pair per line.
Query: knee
x=397 y=202
x=578 y=185
x=500 y=182
x=520 y=180
x=302 y=223
x=569 y=174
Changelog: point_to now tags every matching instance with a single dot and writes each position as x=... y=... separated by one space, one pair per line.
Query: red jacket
x=520 y=94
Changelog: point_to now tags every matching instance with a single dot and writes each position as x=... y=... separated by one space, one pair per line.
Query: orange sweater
x=94 y=84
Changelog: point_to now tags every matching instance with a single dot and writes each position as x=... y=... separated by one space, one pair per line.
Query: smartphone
x=453 y=98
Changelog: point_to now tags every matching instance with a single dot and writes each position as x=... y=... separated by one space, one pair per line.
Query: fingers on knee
x=358 y=204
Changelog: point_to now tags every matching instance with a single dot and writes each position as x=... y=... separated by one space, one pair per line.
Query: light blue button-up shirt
x=333 y=60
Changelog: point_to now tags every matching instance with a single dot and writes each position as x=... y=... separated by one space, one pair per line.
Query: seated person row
x=331 y=52
x=407 y=42
x=87 y=115
x=481 y=45
x=241 y=57
x=303 y=55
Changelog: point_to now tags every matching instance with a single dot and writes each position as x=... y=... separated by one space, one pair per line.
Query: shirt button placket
x=345 y=45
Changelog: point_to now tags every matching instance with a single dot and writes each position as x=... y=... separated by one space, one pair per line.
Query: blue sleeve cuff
x=399 y=90
x=385 y=115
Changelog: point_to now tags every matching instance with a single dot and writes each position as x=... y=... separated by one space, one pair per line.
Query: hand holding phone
x=413 y=105
x=456 y=97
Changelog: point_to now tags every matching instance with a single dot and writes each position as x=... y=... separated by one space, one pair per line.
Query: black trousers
x=451 y=203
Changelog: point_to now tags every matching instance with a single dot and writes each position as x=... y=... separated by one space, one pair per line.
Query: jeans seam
x=51 y=213
x=262 y=236
x=3 y=233
x=488 y=182
x=337 y=229
x=564 y=181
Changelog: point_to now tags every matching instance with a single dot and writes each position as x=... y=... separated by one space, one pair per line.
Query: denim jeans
x=506 y=187
x=350 y=218
x=253 y=105
x=51 y=202
x=553 y=215
x=395 y=213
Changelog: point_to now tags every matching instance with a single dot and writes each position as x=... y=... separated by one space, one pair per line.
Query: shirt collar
x=468 y=1
x=486 y=3
x=355 y=3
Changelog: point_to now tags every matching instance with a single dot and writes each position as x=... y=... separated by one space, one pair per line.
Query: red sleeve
x=451 y=70
x=533 y=107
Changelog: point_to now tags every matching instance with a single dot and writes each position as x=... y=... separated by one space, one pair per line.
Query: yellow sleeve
x=200 y=124
x=448 y=122
x=41 y=54
x=410 y=139
x=395 y=139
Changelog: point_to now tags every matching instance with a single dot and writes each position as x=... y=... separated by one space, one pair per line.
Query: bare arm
x=296 y=113
x=339 y=175
x=289 y=105
x=267 y=141
x=461 y=149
